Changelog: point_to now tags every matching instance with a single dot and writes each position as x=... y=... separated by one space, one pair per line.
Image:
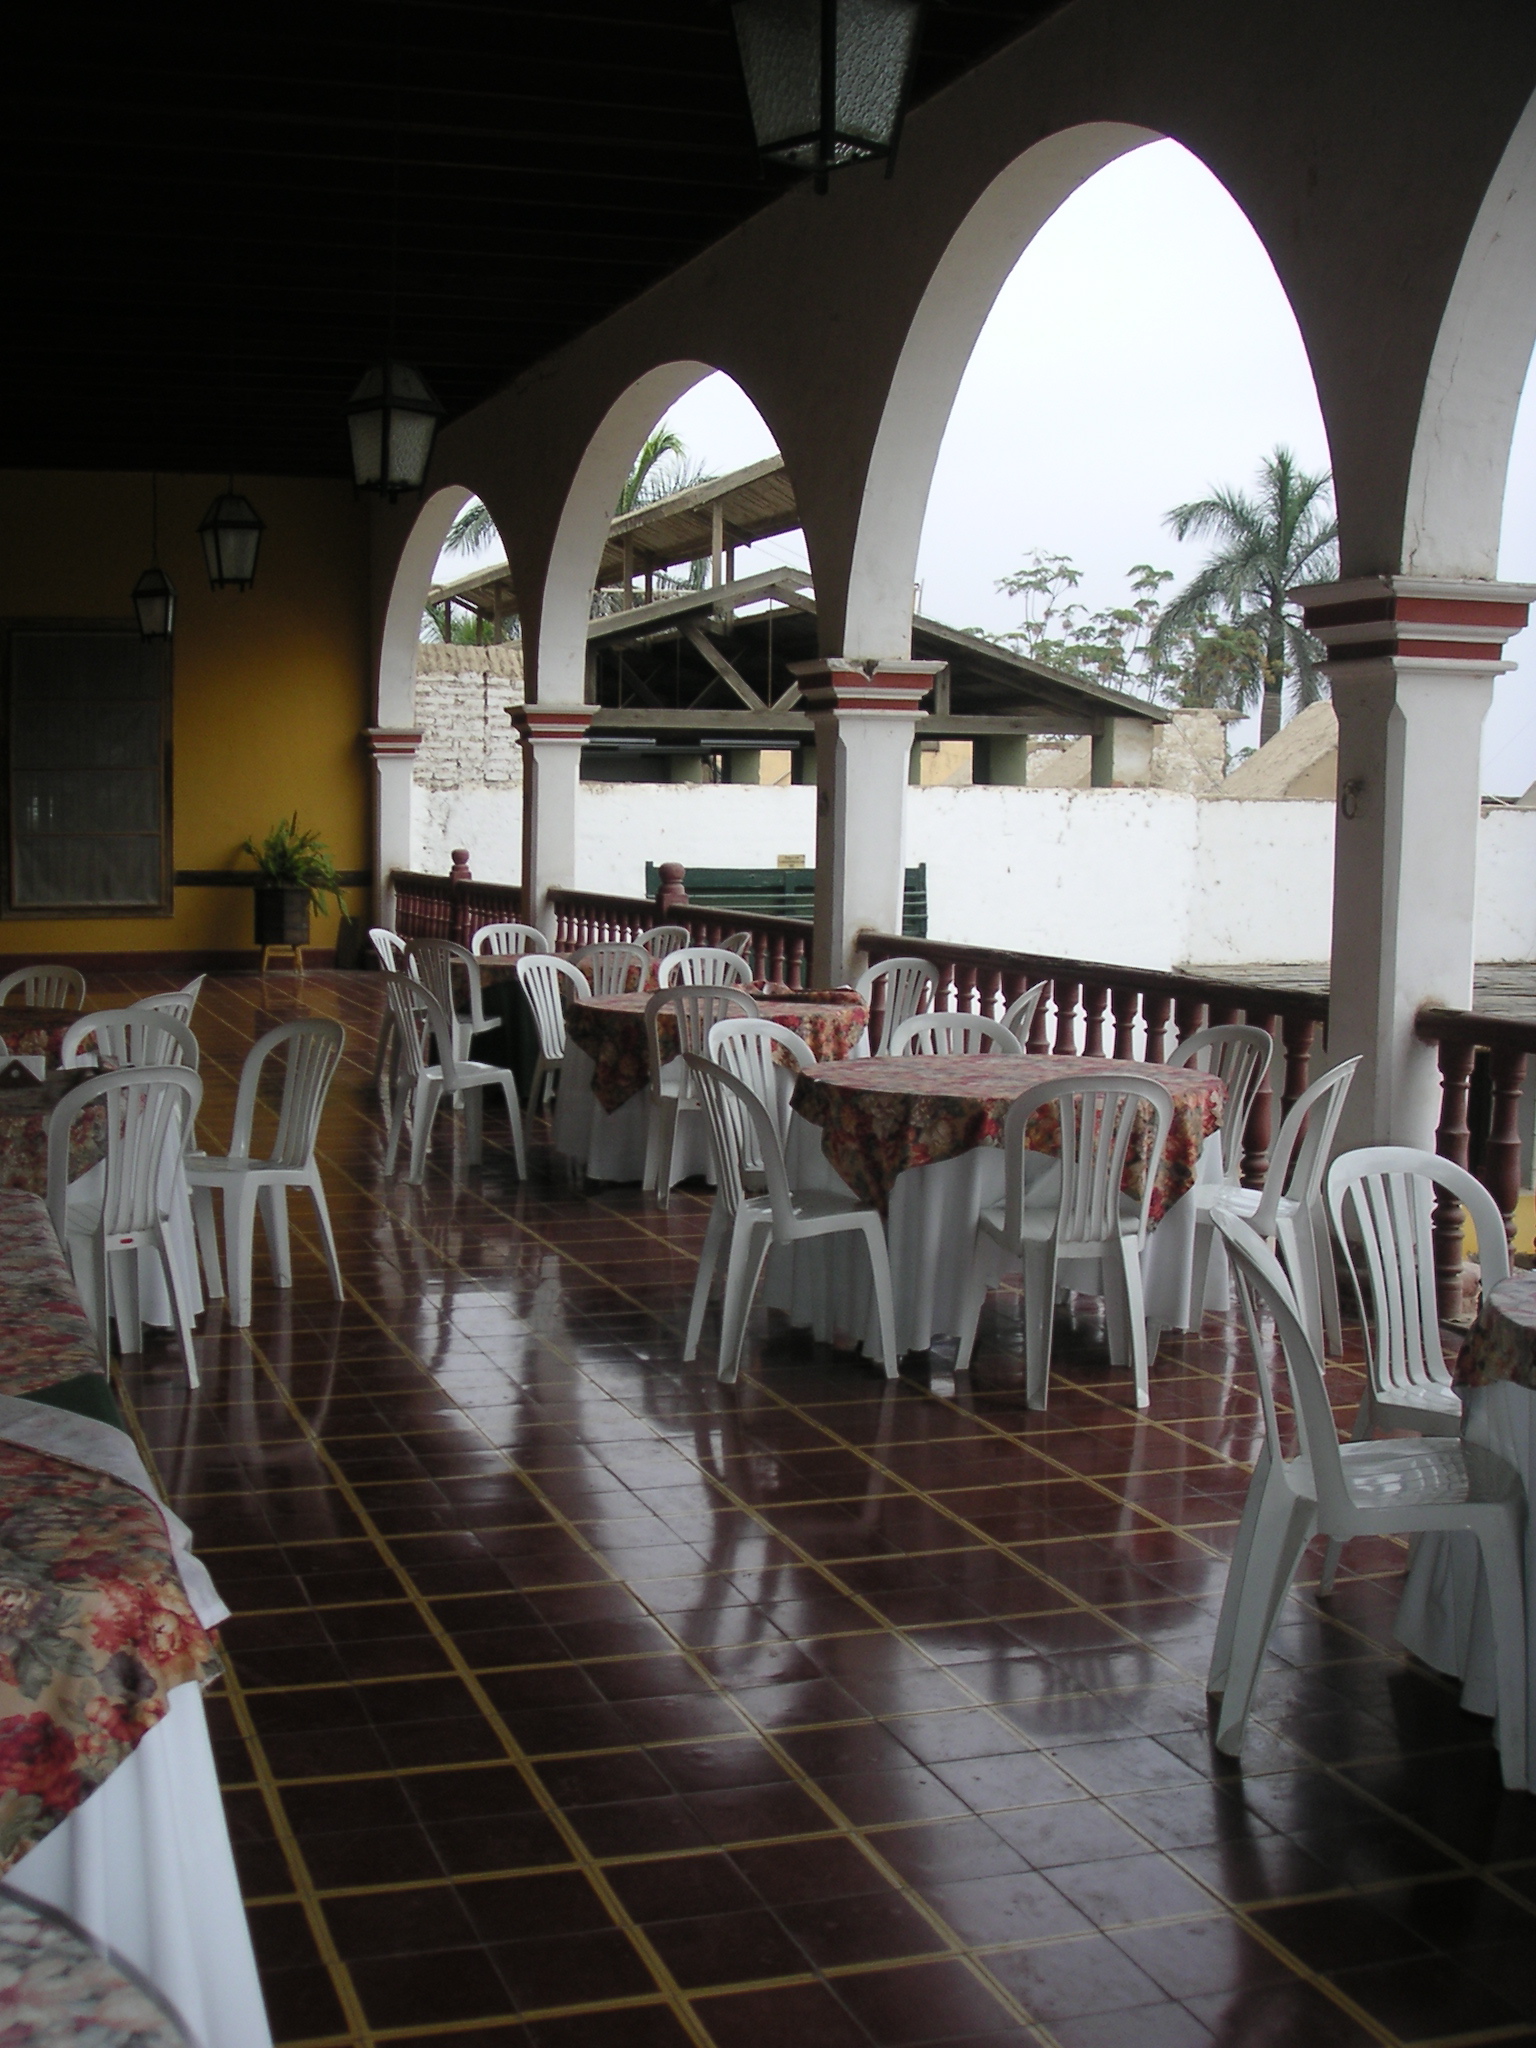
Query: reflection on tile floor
x=579 y=1700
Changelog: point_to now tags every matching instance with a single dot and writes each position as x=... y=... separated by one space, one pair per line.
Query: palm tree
x=659 y=469
x=1266 y=545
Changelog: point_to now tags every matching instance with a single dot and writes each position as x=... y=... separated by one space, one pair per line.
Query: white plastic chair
x=1240 y=1055
x=136 y=1037
x=748 y=1047
x=740 y=943
x=1082 y=1213
x=177 y=1002
x=394 y=957
x=146 y=1113
x=313 y=1051
x=418 y=1015
x=1399 y=1487
x=663 y=939
x=1020 y=1013
x=1381 y=1201
x=695 y=1008
x=910 y=985
x=1288 y=1210
x=438 y=964
x=755 y=1208
x=541 y=975
x=392 y=950
x=703 y=967
x=508 y=941
x=45 y=988
x=949 y=1034
x=614 y=970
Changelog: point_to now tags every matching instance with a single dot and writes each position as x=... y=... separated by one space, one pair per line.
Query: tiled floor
x=579 y=1700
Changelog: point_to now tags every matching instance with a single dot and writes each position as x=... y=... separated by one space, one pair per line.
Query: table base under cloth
x=1444 y=1617
x=613 y=1147
x=45 y=1337
x=145 y=1866
x=824 y=1285
x=610 y=1030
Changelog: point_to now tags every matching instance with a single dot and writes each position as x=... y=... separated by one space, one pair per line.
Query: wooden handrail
x=1482 y=1064
x=781 y=946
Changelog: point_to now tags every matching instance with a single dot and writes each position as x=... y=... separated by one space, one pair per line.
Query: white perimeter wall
x=1138 y=878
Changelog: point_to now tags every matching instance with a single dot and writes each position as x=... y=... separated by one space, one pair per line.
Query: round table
x=921 y=1139
x=1444 y=1616
x=39 y=1033
x=57 y=1985
x=601 y=1109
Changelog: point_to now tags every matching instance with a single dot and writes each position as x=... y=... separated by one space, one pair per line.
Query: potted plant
x=297 y=874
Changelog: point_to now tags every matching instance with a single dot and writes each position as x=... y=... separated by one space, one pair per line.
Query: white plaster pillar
x=865 y=719
x=1411 y=660
x=552 y=737
x=394 y=753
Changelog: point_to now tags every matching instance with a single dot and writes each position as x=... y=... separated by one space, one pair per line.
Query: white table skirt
x=146 y=1867
x=613 y=1147
x=1444 y=1616
x=824 y=1285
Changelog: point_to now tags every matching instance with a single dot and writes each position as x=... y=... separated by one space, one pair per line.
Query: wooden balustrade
x=781 y=946
x=1485 y=1140
x=437 y=907
x=1127 y=1012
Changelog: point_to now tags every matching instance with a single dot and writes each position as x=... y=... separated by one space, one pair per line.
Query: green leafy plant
x=291 y=859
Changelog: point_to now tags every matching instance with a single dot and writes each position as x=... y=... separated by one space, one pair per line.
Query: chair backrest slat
x=910 y=985
x=136 y=1037
x=508 y=941
x=1020 y=1013
x=541 y=975
x=313 y=1047
x=144 y=1109
x=1240 y=1055
x=703 y=967
x=614 y=970
x=750 y=1048
x=177 y=1002
x=949 y=1034
x=1299 y=1157
x=392 y=950
x=663 y=939
x=45 y=987
x=744 y=1139
x=1098 y=1121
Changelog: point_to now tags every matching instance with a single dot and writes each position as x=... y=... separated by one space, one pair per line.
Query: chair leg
x=273 y=1202
x=473 y=1100
x=880 y=1268
x=396 y=1125
x=1200 y=1270
x=385 y=1045
x=1285 y=1522
x=540 y=1081
x=179 y=1310
x=327 y=1235
x=1298 y=1255
x=515 y=1118
x=88 y=1263
x=123 y=1282
x=970 y=1310
x=429 y=1094
x=1335 y=1549
x=239 y=1247
x=1136 y=1318
x=208 y=1242
x=1039 y=1321
x=1237 y=1572
x=750 y=1240
x=709 y=1258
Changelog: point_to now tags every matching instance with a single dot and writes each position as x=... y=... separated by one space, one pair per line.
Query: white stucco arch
x=557 y=666
x=954 y=307
x=1482 y=353
x=395 y=696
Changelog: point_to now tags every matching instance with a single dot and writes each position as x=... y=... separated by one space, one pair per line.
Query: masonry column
x=551 y=740
x=1411 y=660
x=394 y=752
x=865 y=719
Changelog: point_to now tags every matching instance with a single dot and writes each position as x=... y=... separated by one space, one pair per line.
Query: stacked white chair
x=145 y=1111
x=394 y=956
x=950 y=1034
x=696 y=1008
x=1020 y=1013
x=1080 y=1213
x=177 y=1002
x=419 y=1016
x=508 y=941
x=766 y=1056
x=1239 y=1055
x=663 y=939
x=542 y=975
x=45 y=987
x=312 y=1048
x=136 y=1037
x=909 y=985
x=756 y=1208
x=1400 y=1487
x=439 y=964
x=613 y=969
x=703 y=967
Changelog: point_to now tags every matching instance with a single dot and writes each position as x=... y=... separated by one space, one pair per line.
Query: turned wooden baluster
x=1039 y=1036
x=989 y=984
x=1261 y=1118
x=1067 y=994
x=1126 y=1003
x=1298 y=1033
x=1188 y=1016
x=1156 y=1010
x=1452 y=1141
x=1095 y=1003
x=1500 y=1173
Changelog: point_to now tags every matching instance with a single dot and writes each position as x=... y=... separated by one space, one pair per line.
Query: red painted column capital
x=1427 y=621
x=392 y=743
x=834 y=685
x=539 y=722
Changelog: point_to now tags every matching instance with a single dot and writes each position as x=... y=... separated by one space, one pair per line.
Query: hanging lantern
x=392 y=419
x=827 y=79
x=231 y=532
x=154 y=599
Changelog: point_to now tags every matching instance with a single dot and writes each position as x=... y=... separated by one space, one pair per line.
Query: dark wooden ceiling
x=210 y=210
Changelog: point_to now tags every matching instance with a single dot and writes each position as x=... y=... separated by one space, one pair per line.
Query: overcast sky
x=1141 y=352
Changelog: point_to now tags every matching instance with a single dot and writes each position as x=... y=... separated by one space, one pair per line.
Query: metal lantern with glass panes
x=392 y=419
x=231 y=531
x=154 y=600
x=827 y=79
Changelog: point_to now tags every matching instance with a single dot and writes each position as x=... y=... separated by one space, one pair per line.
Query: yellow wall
x=271 y=684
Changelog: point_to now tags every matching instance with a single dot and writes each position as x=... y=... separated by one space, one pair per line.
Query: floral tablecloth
x=38 y=1032
x=879 y=1117
x=95 y=1630
x=24 y=1138
x=1501 y=1344
x=56 y=1986
x=45 y=1338
x=611 y=1031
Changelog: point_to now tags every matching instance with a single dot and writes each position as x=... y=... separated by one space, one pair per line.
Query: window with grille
x=88 y=773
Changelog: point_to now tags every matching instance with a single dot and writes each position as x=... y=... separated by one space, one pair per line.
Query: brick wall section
x=462 y=694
